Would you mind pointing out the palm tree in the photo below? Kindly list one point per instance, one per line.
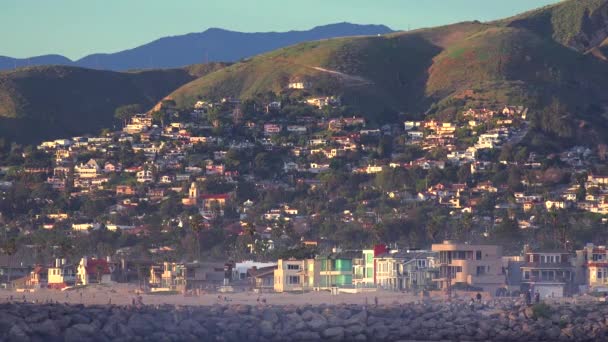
(9, 247)
(196, 225)
(99, 271)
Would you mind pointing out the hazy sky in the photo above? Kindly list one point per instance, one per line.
(75, 28)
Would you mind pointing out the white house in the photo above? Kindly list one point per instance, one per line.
(93, 271)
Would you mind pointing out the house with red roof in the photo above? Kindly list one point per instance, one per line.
(93, 271)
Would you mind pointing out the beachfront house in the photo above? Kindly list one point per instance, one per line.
(464, 266)
(550, 273)
(294, 275)
(93, 271)
(61, 275)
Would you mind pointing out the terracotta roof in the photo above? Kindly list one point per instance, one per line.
(93, 264)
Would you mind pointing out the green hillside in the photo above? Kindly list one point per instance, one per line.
(557, 52)
(438, 70)
(580, 24)
(52, 101)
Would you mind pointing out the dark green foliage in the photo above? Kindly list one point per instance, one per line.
(45, 102)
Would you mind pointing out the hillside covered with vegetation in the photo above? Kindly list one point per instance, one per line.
(57, 101)
(579, 24)
(445, 69)
(552, 60)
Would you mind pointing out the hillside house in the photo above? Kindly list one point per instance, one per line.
(299, 83)
(145, 176)
(125, 190)
(270, 129)
(89, 170)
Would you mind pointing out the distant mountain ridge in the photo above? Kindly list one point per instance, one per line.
(211, 45)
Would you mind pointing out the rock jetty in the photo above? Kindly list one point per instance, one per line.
(419, 322)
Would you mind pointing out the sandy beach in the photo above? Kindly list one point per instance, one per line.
(123, 294)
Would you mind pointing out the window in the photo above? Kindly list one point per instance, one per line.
(481, 270)
(293, 280)
(293, 267)
(478, 255)
(527, 275)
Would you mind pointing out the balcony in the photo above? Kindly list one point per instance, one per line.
(546, 265)
(548, 280)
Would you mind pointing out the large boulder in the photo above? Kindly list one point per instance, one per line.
(82, 332)
(47, 328)
(334, 333)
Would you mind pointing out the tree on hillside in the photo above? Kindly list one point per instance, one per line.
(160, 116)
(9, 247)
(126, 112)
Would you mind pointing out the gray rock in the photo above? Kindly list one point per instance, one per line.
(354, 330)
(271, 316)
(267, 329)
(335, 333)
(318, 323)
(360, 337)
(192, 327)
(37, 317)
(47, 328)
(79, 319)
(141, 324)
(16, 333)
(430, 324)
(81, 332)
(306, 336)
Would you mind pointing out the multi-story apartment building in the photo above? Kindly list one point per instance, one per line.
(401, 270)
(335, 270)
(478, 266)
(550, 273)
(364, 269)
(593, 263)
(294, 275)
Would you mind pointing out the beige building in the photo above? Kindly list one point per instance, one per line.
(294, 275)
(89, 170)
(61, 275)
(474, 265)
(592, 267)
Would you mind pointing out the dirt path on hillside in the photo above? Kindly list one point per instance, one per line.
(354, 80)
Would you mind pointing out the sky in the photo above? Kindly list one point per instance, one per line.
(76, 28)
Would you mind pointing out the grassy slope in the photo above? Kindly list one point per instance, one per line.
(45, 102)
(396, 66)
(574, 23)
(411, 70)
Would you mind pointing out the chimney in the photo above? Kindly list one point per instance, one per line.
(63, 262)
(84, 261)
(57, 263)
